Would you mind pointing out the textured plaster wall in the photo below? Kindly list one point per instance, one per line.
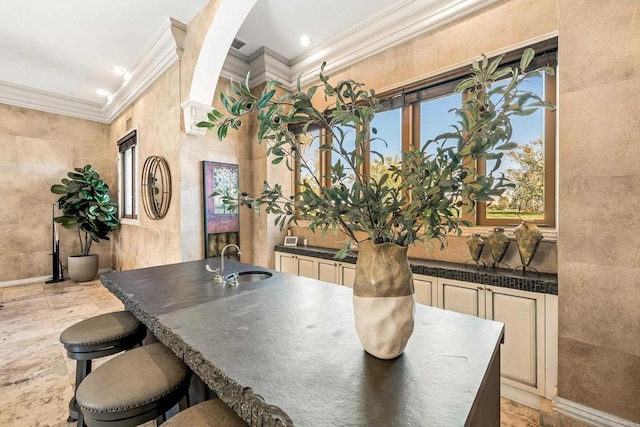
(37, 150)
(599, 244)
(510, 23)
(156, 115)
(266, 234)
(195, 149)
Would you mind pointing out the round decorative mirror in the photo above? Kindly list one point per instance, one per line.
(156, 187)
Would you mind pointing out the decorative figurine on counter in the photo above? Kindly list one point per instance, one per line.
(476, 244)
(498, 244)
(528, 237)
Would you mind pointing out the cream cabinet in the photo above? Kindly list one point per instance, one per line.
(461, 297)
(426, 289)
(330, 271)
(287, 263)
(296, 264)
(524, 355)
(523, 352)
(327, 270)
(346, 274)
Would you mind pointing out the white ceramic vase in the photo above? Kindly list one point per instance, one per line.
(383, 299)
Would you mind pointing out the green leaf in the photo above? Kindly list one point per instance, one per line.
(264, 100)
(205, 125)
(527, 56)
(58, 189)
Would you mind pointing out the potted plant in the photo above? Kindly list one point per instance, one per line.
(418, 199)
(87, 207)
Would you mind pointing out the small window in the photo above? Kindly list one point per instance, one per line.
(128, 172)
(310, 164)
(348, 135)
(386, 142)
(530, 166)
(436, 118)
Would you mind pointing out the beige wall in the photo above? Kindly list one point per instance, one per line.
(599, 244)
(195, 149)
(156, 115)
(37, 150)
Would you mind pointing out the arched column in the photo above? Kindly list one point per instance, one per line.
(224, 26)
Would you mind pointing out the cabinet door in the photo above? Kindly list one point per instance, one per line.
(286, 263)
(347, 273)
(425, 290)
(307, 267)
(327, 271)
(461, 297)
(523, 315)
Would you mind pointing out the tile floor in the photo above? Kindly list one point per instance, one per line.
(36, 377)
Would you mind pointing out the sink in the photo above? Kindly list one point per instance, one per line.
(250, 276)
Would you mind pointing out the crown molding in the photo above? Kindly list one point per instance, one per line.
(164, 51)
(386, 30)
(35, 99)
(382, 32)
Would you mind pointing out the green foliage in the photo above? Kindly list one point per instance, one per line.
(528, 194)
(86, 206)
(417, 199)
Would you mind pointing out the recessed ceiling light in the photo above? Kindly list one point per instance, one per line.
(102, 92)
(119, 70)
(305, 40)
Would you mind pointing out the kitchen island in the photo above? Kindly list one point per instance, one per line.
(284, 351)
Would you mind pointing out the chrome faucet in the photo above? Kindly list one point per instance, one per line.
(222, 258)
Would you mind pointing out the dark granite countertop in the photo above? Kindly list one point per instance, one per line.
(544, 283)
(284, 351)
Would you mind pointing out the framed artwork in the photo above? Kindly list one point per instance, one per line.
(291, 241)
(221, 225)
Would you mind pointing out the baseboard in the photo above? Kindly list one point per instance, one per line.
(41, 279)
(590, 415)
(520, 396)
(27, 281)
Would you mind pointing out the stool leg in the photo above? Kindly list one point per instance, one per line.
(83, 368)
(81, 419)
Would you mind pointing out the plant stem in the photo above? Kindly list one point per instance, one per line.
(80, 239)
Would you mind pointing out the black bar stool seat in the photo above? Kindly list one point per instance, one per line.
(99, 336)
(134, 387)
(210, 413)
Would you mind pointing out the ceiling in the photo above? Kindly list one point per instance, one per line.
(56, 55)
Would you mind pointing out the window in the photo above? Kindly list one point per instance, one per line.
(128, 172)
(417, 113)
(386, 141)
(436, 118)
(310, 163)
(531, 167)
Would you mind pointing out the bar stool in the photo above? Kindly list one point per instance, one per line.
(133, 388)
(210, 413)
(96, 337)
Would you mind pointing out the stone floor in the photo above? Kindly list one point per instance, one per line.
(36, 377)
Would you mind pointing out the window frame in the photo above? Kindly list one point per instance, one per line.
(409, 98)
(129, 141)
(549, 137)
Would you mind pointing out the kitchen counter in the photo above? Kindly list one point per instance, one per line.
(531, 282)
(284, 351)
